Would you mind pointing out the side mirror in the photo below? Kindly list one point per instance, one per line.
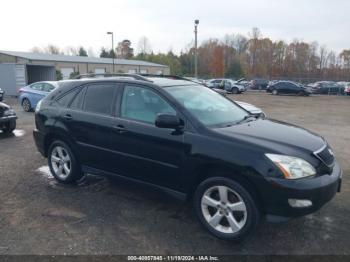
(167, 121)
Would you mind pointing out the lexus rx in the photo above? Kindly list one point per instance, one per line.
(191, 142)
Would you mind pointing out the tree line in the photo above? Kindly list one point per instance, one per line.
(237, 55)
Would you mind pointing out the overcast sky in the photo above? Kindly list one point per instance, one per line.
(168, 24)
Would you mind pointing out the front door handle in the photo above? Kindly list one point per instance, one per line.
(68, 117)
(120, 129)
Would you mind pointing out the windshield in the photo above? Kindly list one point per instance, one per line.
(209, 107)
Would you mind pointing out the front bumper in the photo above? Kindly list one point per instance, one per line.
(7, 118)
(319, 190)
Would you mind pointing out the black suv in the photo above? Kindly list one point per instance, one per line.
(191, 142)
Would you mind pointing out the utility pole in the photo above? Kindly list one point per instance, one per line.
(111, 33)
(196, 22)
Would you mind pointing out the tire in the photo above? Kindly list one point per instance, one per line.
(234, 90)
(66, 170)
(275, 92)
(26, 105)
(244, 217)
(9, 127)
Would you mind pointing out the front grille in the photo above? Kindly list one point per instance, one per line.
(325, 154)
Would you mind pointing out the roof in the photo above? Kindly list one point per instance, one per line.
(78, 59)
(158, 81)
(164, 82)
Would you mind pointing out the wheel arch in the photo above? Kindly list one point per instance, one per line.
(53, 136)
(207, 171)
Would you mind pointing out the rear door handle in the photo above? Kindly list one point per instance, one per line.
(68, 117)
(120, 129)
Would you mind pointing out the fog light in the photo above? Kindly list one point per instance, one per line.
(299, 202)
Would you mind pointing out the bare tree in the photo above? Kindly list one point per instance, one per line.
(144, 46)
(240, 43)
(52, 49)
(37, 50)
(71, 50)
(91, 52)
(323, 58)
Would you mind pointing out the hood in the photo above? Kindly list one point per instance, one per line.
(274, 134)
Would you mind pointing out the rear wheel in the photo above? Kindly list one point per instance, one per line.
(274, 92)
(234, 90)
(226, 208)
(63, 164)
(26, 105)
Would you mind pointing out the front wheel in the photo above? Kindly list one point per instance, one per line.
(226, 208)
(275, 92)
(26, 105)
(63, 164)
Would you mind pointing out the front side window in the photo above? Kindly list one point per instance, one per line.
(142, 104)
(99, 99)
(209, 107)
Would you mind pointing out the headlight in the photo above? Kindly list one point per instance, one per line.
(37, 108)
(292, 167)
(9, 112)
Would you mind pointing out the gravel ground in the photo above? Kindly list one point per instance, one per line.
(104, 216)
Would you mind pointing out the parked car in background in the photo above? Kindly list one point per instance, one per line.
(243, 82)
(7, 118)
(258, 84)
(288, 87)
(326, 87)
(1, 94)
(272, 82)
(347, 89)
(232, 86)
(214, 83)
(187, 140)
(30, 95)
(346, 86)
(226, 84)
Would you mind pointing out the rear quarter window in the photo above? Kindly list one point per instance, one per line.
(67, 97)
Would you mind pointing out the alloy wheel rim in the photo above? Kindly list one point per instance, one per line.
(26, 105)
(224, 209)
(61, 162)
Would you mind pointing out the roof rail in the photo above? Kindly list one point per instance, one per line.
(176, 77)
(164, 76)
(92, 75)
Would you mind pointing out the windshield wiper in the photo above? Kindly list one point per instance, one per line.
(247, 118)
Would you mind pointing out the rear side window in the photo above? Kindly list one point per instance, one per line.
(99, 98)
(37, 87)
(47, 87)
(66, 98)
